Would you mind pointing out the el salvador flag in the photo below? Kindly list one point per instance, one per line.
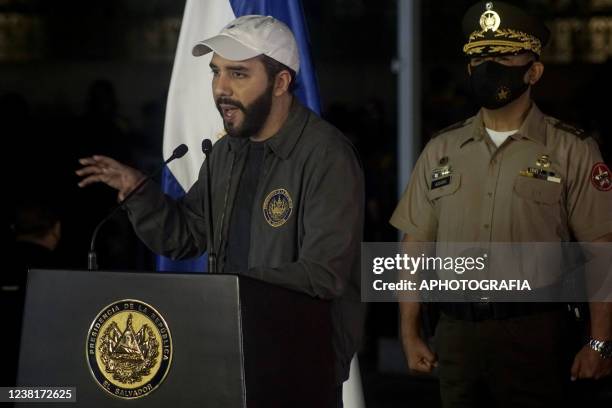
(191, 114)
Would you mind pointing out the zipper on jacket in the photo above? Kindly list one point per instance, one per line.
(225, 200)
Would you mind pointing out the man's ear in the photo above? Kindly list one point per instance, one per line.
(282, 83)
(469, 69)
(535, 72)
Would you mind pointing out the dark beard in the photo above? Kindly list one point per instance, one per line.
(255, 114)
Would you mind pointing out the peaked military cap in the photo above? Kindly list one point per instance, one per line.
(497, 28)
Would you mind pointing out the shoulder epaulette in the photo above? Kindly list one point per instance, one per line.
(566, 127)
(451, 127)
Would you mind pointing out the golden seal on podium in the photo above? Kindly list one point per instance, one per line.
(129, 349)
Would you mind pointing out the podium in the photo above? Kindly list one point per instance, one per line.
(126, 339)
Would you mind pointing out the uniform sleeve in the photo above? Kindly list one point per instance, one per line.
(333, 227)
(589, 193)
(173, 228)
(415, 214)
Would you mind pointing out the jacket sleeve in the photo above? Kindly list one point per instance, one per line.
(333, 226)
(173, 228)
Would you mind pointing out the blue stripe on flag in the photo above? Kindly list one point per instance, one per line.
(291, 13)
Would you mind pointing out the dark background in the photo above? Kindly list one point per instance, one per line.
(78, 78)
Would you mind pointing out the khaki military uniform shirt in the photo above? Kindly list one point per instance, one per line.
(546, 183)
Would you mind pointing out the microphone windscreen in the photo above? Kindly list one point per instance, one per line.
(180, 151)
(206, 146)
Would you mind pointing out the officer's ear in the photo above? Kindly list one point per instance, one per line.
(535, 72)
(469, 69)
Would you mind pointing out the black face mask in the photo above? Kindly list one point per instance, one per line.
(495, 85)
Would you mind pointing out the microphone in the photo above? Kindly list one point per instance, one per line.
(206, 146)
(212, 257)
(92, 257)
(179, 152)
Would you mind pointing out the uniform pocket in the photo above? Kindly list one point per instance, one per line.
(540, 191)
(450, 188)
(537, 211)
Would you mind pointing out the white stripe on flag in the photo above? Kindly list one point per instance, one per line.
(191, 115)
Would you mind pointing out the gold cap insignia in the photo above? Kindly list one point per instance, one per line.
(277, 207)
(129, 349)
(489, 20)
(487, 36)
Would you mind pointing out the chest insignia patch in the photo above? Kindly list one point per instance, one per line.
(441, 172)
(277, 207)
(441, 176)
(601, 177)
(539, 173)
(543, 161)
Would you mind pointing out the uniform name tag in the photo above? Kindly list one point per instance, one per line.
(440, 182)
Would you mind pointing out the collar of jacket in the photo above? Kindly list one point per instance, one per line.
(283, 142)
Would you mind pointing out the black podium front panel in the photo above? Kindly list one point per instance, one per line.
(202, 316)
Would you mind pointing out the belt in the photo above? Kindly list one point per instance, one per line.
(479, 311)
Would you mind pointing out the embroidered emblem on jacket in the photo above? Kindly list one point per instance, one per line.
(277, 207)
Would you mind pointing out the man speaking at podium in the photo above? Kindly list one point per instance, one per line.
(287, 187)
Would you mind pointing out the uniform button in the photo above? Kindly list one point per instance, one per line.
(490, 194)
(486, 225)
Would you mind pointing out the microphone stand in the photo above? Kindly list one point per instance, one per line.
(92, 257)
(212, 256)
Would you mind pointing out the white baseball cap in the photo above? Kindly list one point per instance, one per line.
(249, 36)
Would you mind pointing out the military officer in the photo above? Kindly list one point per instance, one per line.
(508, 174)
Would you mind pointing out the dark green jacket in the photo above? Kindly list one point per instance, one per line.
(307, 222)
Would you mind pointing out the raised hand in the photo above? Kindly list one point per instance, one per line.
(102, 169)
